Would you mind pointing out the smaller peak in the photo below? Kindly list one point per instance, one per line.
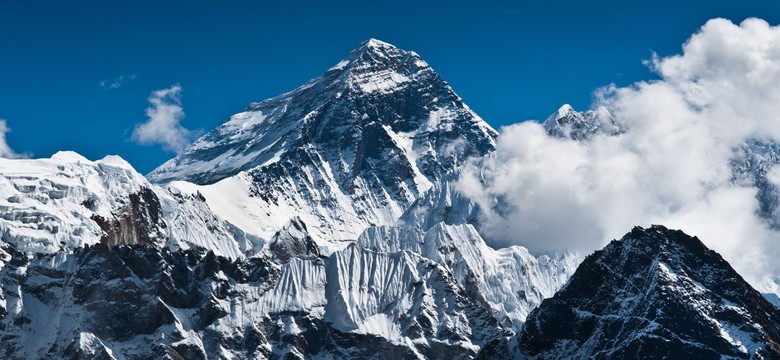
(562, 112)
(564, 109)
(293, 241)
(115, 160)
(68, 156)
(661, 238)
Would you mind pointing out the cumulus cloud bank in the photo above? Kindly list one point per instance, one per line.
(670, 167)
(5, 149)
(163, 125)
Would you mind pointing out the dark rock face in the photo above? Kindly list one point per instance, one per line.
(127, 294)
(293, 241)
(118, 295)
(656, 293)
(140, 302)
(138, 222)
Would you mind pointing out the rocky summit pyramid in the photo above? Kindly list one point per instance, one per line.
(355, 147)
(378, 101)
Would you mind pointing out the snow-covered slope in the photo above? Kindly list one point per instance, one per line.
(656, 293)
(352, 148)
(511, 281)
(67, 202)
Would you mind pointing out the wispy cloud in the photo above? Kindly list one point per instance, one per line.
(163, 125)
(117, 82)
(5, 149)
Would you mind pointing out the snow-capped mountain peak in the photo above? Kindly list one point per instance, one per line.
(374, 51)
(376, 66)
(562, 112)
(352, 148)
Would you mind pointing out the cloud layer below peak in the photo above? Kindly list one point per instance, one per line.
(671, 166)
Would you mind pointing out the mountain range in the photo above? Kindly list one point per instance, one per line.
(326, 223)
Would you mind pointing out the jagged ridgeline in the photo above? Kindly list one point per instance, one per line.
(319, 223)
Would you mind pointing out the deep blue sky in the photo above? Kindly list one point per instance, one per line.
(510, 61)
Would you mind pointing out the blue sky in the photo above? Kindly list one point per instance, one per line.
(510, 61)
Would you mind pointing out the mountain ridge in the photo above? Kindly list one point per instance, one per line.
(654, 293)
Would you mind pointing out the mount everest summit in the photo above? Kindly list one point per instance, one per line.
(353, 148)
(325, 222)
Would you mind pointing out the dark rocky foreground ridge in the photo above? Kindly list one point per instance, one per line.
(139, 302)
(654, 294)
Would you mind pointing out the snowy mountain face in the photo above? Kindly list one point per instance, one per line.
(67, 202)
(320, 223)
(510, 281)
(352, 148)
(656, 293)
(568, 123)
(375, 298)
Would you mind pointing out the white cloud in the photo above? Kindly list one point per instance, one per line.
(5, 149)
(116, 83)
(670, 167)
(163, 125)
